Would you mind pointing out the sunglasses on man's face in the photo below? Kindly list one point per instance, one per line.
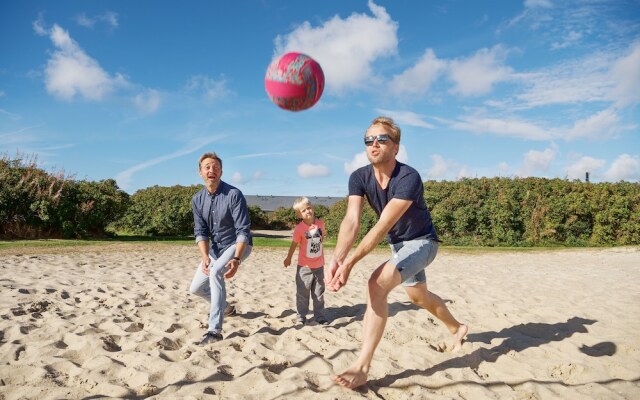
(382, 139)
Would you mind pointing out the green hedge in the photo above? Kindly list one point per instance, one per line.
(480, 212)
(37, 204)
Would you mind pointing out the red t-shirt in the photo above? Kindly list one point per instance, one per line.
(310, 238)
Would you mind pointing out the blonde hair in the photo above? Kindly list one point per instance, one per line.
(300, 203)
(390, 125)
(213, 156)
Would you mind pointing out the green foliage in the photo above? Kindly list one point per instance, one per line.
(160, 211)
(524, 212)
(283, 218)
(473, 212)
(259, 219)
(37, 204)
(337, 212)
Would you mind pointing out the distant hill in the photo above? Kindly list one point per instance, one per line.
(272, 203)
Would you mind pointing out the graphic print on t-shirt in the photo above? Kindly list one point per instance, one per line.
(314, 242)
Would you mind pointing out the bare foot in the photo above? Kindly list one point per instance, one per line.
(458, 338)
(351, 378)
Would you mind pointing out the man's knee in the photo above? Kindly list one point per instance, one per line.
(378, 286)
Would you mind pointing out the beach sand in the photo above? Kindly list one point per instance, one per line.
(116, 321)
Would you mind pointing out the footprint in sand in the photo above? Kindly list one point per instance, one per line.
(18, 353)
(168, 344)
(173, 328)
(134, 327)
(110, 343)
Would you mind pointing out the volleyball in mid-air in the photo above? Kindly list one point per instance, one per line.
(294, 81)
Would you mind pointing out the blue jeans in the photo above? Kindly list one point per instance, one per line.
(212, 287)
(412, 257)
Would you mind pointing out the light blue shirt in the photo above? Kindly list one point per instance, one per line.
(221, 217)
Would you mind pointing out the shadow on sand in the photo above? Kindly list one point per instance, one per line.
(517, 338)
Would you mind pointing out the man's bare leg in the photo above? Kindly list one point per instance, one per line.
(421, 296)
(381, 282)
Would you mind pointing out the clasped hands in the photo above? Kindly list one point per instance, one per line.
(337, 275)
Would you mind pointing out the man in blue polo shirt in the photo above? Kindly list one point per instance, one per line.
(396, 193)
(223, 236)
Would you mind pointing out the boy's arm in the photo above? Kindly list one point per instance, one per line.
(292, 249)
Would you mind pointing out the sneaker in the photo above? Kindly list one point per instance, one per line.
(210, 337)
(322, 321)
(230, 310)
(301, 320)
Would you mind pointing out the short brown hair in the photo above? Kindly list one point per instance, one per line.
(209, 155)
(389, 123)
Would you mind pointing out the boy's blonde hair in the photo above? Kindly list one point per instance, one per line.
(300, 203)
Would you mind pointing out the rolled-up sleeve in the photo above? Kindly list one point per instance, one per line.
(241, 218)
(200, 228)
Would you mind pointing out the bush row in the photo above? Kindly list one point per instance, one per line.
(36, 204)
(480, 212)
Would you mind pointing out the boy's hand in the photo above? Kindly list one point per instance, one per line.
(287, 262)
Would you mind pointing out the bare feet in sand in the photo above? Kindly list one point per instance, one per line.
(458, 338)
(352, 378)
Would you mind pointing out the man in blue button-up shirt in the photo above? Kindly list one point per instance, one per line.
(223, 237)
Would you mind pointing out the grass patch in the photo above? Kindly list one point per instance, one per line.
(55, 243)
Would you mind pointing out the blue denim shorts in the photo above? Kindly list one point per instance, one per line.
(412, 257)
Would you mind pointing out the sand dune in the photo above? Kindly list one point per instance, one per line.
(116, 321)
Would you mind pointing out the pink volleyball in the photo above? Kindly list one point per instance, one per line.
(294, 82)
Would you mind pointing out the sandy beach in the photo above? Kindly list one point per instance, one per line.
(116, 321)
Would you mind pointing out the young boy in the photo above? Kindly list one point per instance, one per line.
(309, 233)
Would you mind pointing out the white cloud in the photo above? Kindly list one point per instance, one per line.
(83, 20)
(440, 168)
(503, 168)
(124, 178)
(569, 39)
(536, 162)
(360, 160)
(538, 3)
(256, 155)
(238, 179)
(148, 102)
(571, 82)
(38, 26)
(210, 89)
(625, 168)
(70, 71)
(406, 118)
(345, 48)
(585, 164)
(109, 17)
(502, 127)
(626, 75)
(308, 170)
(443, 169)
(600, 126)
(477, 74)
(418, 79)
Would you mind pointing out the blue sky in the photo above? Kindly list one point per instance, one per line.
(137, 90)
